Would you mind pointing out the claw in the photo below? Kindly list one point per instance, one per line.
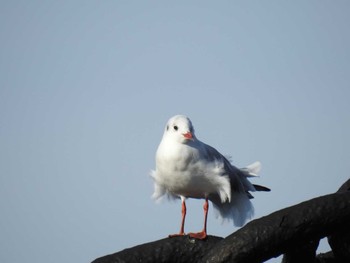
(200, 235)
(177, 235)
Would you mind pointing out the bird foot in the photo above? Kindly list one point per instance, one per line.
(177, 235)
(200, 235)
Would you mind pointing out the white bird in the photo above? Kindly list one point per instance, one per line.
(189, 168)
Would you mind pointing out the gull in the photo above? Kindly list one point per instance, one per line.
(189, 168)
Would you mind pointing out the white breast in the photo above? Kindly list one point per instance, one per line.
(183, 172)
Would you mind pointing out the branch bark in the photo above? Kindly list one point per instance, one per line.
(273, 235)
(172, 250)
(285, 231)
(340, 240)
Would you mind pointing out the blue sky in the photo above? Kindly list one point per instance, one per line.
(86, 88)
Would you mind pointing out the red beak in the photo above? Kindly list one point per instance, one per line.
(188, 135)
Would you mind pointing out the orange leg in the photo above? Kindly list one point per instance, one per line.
(203, 233)
(182, 228)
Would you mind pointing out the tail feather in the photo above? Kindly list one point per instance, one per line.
(239, 209)
(253, 169)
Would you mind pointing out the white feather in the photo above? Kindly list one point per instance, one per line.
(240, 209)
(253, 169)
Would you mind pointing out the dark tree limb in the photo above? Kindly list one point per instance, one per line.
(303, 252)
(273, 235)
(340, 240)
(306, 251)
(261, 239)
(326, 258)
(345, 187)
(175, 249)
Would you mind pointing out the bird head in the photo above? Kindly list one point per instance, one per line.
(179, 128)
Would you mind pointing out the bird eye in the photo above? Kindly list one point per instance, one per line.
(176, 128)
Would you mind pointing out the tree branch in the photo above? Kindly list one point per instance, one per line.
(340, 240)
(175, 249)
(284, 231)
(271, 236)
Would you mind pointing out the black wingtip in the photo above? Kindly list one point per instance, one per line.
(261, 188)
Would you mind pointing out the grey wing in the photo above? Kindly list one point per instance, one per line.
(238, 177)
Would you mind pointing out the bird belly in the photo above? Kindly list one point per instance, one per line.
(195, 181)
